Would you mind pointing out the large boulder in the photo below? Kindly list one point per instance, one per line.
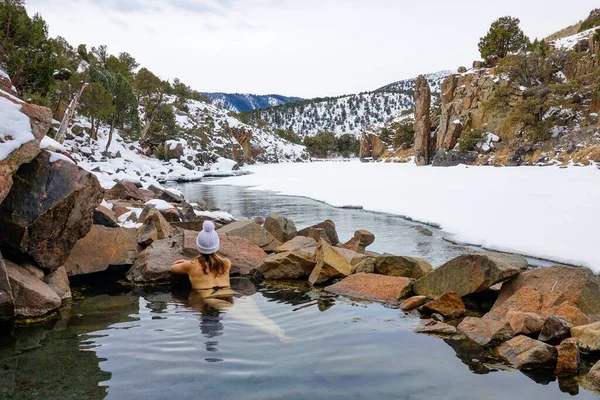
(282, 228)
(408, 267)
(449, 305)
(422, 124)
(49, 208)
(32, 297)
(253, 232)
(101, 248)
(154, 228)
(470, 273)
(372, 287)
(559, 286)
(153, 264)
(30, 125)
(588, 336)
(330, 230)
(330, 265)
(360, 241)
(486, 331)
(244, 255)
(526, 353)
(289, 265)
(7, 304)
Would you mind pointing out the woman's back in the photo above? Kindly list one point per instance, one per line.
(201, 277)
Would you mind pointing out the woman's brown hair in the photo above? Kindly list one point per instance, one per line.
(212, 263)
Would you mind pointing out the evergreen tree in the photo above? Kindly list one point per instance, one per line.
(505, 36)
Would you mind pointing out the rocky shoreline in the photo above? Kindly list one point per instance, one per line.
(529, 318)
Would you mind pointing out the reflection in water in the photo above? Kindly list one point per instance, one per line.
(161, 343)
(55, 359)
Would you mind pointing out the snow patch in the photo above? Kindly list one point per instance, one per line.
(544, 212)
(15, 128)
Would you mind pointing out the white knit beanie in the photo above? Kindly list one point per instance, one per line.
(208, 240)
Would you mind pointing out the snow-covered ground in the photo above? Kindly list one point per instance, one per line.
(544, 212)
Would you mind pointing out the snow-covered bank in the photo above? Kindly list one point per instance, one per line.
(547, 212)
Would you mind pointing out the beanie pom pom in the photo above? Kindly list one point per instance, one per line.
(208, 226)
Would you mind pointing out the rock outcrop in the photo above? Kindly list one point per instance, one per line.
(470, 273)
(59, 282)
(48, 209)
(102, 248)
(463, 98)
(422, 125)
(282, 228)
(371, 146)
(372, 287)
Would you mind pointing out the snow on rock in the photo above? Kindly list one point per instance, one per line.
(51, 144)
(15, 128)
(159, 204)
(569, 42)
(217, 215)
(548, 212)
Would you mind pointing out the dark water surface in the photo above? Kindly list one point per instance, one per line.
(154, 344)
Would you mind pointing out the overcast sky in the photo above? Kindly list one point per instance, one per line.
(303, 48)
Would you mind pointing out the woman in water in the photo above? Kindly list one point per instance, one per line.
(208, 273)
(209, 276)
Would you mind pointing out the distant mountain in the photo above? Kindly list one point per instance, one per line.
(353, 113)
(238, 102)
(435, 81)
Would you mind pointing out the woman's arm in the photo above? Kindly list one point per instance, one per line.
(181, 267)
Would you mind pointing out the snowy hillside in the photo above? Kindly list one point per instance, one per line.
(346, 114)
(435, 80)
(211, 132)
(237, 102)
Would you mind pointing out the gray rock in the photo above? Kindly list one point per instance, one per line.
(470, 273)
(453, 158)
(282, 228)
(32, 297)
